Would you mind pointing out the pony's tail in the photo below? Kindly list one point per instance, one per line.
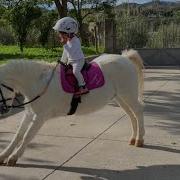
(137, 60)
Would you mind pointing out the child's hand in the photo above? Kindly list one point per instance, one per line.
(63, 38)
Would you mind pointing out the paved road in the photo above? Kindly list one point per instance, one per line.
(95, 147)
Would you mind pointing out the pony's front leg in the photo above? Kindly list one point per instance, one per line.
(33, 128)
(28, 116)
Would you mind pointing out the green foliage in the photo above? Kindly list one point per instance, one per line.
(165, 36)
(2, 11)
(13, 52)
(45, 24)
(148, 26)
(108, 9)
(132, 32)
(6, 36)
(137, 25)
(21, 17)
(177, 15)
(84, 8)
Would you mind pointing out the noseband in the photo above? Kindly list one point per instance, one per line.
(4, 106)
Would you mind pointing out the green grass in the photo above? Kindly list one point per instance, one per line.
(13, 52)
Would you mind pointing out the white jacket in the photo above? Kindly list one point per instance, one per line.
(72, 51)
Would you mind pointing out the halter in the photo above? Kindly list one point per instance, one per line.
(5, 108)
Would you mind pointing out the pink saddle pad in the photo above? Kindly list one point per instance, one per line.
(93, 77)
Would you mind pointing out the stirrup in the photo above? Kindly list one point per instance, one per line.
(82, 90)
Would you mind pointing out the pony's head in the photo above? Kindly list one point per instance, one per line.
(7, 95)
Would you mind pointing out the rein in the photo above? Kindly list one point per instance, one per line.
(32, 100)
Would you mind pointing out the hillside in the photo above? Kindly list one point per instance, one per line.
(161, 8)
(161, 4)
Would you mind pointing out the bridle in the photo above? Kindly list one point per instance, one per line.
(4, 107)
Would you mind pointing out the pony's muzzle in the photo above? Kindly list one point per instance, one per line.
(4, 109)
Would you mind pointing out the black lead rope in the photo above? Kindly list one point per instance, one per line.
(8, 99)
(21, 105)
(7, 87)
(3, 99)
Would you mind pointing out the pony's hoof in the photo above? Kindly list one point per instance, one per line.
(11, 162)
(139, 143)
(132, 141)
(2, 163)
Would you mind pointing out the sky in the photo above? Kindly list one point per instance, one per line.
(144, 1)
(130, 1)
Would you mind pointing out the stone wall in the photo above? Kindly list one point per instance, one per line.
(159, 57)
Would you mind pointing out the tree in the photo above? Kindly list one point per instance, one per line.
(177, 15)
(20, 17)
(84, 8)
(165, 36)
(44, 24)
(132, 32)
(61, 6)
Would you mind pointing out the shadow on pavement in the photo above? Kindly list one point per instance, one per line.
(155, 172)
(164, 106)
(163, 76)
(162, 148)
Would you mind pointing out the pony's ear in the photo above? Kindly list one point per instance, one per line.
(124, 52)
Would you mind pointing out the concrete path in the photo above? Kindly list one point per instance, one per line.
(95, 147)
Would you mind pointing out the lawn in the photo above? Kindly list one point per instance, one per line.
(13, 52)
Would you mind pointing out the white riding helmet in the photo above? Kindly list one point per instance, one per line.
(67, 25)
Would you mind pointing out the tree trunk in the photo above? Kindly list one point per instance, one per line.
(21, 44)
(82, 33)
(96, 39)
(22, 40)
(61, 6)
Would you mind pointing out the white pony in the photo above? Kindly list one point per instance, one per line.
(123, 82)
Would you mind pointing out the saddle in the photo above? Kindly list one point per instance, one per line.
(68, 68)
(92, 75)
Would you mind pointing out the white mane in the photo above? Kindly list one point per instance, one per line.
(26, 65)
(17, 71)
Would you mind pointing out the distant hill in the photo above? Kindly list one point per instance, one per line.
(162, 3)
(149, 9)
(151, 4)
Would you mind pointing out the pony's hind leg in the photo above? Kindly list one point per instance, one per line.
(18, 136)
(133, 119)
(137, 109)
